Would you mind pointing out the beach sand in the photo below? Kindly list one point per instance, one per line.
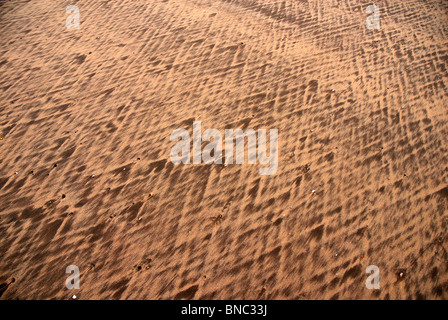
(86, 177)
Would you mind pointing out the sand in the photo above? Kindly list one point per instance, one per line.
(86, 117)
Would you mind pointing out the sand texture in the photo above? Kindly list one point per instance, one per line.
(85, 123)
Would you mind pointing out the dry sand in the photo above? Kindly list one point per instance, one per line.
(103, 101)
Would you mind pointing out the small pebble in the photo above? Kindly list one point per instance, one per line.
(74, 297)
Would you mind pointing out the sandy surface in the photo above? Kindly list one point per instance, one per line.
(103, 101)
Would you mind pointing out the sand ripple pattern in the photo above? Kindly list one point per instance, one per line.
(86, 116)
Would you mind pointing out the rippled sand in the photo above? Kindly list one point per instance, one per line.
(88, 114)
